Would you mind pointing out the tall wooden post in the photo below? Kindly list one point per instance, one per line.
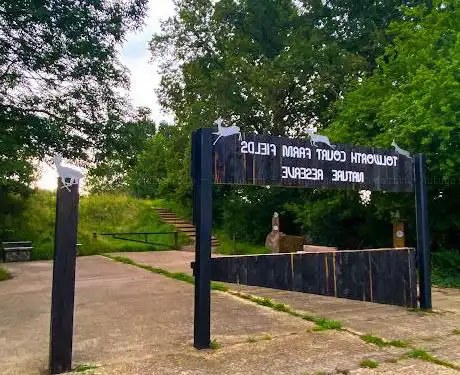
(202, 209)
(423, 232)
(63, 292)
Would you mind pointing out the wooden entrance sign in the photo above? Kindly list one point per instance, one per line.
(227, 156)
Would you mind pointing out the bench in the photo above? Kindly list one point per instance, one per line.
(16, 251)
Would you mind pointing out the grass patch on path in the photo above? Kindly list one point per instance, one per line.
(4, 274)
(370, 339)
(322, 323)
(369, 363)
(424, 356)
(84, 367)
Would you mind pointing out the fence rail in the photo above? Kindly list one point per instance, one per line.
(145, 240)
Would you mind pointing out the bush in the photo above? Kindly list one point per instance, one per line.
(4, 274)
(446, 268)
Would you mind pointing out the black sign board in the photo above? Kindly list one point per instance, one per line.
(280, 161)
(226, 156)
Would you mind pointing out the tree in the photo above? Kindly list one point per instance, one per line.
(414, 98)
(60, 78)
(271, 66)
(113, 165)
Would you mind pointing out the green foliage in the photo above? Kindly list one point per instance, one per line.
(60, 79)
(370, 339)
(339, 218)
(214, 344)
(446, 268)
(323, 323)
(424, 356)
(272, 66)
(368, 363)
(4, 274)
(97, 214)
(110, 173)
(413, 97)
(162, 169)
(84, 367)
(230, 247)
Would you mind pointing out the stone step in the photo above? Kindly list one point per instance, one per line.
(182, 225)
(176, 221)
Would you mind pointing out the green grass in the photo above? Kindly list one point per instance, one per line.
(4, 274)
(97, 214)
(370, 339)
(424, 356)
(83, 368)
(180, 276)
(369, 363)
(456, 331)
(229, 247)
(322, 323)
(214, 345)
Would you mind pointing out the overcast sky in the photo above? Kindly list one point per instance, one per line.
(136, 56)
(143, 72)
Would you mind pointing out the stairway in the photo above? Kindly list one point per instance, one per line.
(182, 225)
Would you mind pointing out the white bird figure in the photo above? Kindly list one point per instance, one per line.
(66, 173)
(225, 131)
(400, 151)
(316, 138)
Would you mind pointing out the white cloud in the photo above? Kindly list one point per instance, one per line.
(135, 55)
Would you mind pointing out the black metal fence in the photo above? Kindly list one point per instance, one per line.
(144, 237)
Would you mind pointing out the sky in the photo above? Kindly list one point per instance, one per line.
(135, 55)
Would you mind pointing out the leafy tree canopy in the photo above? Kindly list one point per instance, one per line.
(273, 66)
(414, 98)
(60, 78)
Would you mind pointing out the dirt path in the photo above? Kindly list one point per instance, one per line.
(131, 321)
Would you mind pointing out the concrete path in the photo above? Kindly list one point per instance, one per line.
(131, 321)
(433, 332)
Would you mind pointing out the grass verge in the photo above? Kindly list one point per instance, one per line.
(4, 274)
(424, 356)
(322, 323)
(370, 339)
(181, 276)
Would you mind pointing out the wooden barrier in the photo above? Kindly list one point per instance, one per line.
(376, 275)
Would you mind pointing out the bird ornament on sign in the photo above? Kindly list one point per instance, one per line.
(69, 175)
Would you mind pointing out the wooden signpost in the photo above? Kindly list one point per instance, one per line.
(229, 157)
(65, 253)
